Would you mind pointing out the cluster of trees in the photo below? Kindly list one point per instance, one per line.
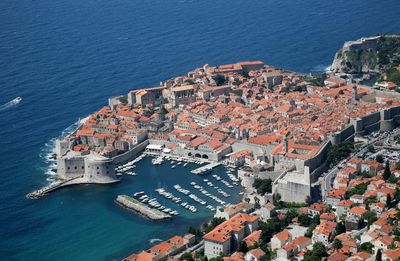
(365, 174)
(393, 76)
(207, 227)
(311, 223)
(318, 253)
(387, 173)
(317, 81)
(371, 148)
(305, 220)
(367, 247)
(379, 158)
(219, 79)
(340, 151)
(357, 190)
(123, 99)
(275, 225)
(263, 186)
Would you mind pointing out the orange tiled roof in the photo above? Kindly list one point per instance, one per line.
(222, 232)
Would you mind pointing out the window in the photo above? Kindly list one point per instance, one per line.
(98, 173)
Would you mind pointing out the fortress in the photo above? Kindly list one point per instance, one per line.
(276, 123)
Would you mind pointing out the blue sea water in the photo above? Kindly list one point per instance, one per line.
(65, 58)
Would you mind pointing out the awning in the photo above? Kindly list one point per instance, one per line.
(154, 147)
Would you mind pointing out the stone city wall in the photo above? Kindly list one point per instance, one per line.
(131, 154)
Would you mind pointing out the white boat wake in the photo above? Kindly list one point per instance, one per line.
(10, 104)
(155, 240)
(321, 69)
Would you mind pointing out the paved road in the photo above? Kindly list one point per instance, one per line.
(198, 246)
(328, 178)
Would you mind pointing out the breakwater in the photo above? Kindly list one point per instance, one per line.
(43, 191)
(133, 204)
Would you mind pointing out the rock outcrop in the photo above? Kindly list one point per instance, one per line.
(367, 55)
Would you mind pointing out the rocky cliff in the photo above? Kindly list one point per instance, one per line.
(367, 55)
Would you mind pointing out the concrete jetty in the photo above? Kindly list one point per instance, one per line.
(66, 182)
(206, 168)
(43, 191)
(137, 206)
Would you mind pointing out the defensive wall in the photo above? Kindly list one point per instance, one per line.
(129, 155)
(295, 186)
(93, 168)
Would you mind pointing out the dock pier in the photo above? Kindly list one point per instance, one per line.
(137, 206)
(206, 168)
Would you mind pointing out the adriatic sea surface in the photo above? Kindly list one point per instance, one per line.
(66, 57)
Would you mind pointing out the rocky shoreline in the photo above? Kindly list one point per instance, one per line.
(367, 55)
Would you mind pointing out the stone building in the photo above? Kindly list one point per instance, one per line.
(226, 237)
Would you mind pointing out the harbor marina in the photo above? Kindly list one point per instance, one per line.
(169, 189)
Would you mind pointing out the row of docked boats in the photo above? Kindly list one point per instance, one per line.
(202, 170)
(205, 192)
(226, 183)
(232, 177)
(121, 169)
(175, 161)
(157, 161)
(153, 203)
(193, 196)
(220, 191)
(176, 200)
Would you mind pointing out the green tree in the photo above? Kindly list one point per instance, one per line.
(337, 244)
(388, 200)
(212, 224)
(276, 198)
(304, 220)
(219, 79)
(317, 253)
(340, 228)
(379, 158)
(367, 246)
(340, 151)
(123, 99)
(357, 190)
(387, 173)
(309, 231)
(396, 198)
(263, 186)
(392, 179)
(308, 200)
(371, 148)
(243, 247)
(257, 203)
(187, 256)
(378, 255)
(370, 217)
